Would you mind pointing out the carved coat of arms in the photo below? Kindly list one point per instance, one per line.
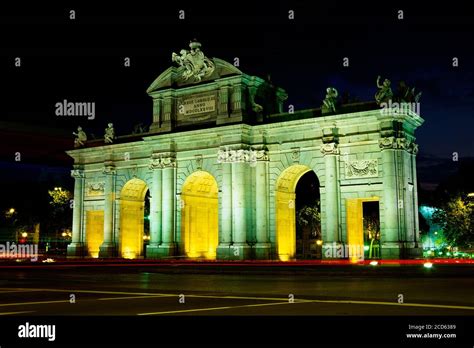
(196, 65)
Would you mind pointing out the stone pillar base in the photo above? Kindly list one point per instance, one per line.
(165, 127)
(223, 251)
(334, 250)
(152, 251)
(413, 253)
(162, 251)
(236, 251)
(240, 251)
(401, 251)
(263, 251)
(107, 250)
(391, 250)
(75, 250)
(411, 250)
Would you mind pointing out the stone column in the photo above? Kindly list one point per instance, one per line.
(390, 230)
(168, 244)
(263, 245)
(152, 250)
(225, 235)
(108, 247)
(240, 183)
(76, 248)
(331, 235)
(417, 250)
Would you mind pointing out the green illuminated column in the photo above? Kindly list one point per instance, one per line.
(76, 248)
(108, 247)
(240, 248)
(261, 216)
(225, 235)
(416, 249)
(390, 229)
(168, 245)
(331, 235)
(152, 250)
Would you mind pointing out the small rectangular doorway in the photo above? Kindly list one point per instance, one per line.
(363, 228)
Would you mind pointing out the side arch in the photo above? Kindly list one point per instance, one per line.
(285, 210)
(199, 215)
(132, 204)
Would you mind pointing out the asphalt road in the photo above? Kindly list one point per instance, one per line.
(222, 291)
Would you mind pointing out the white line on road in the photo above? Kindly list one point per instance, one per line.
(151, 294)
(214, 309)
(31, 303)
(10, 291)
(133, 297)
(428, 305)
(13, 313)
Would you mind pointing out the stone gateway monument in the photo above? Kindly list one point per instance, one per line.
(218, 174)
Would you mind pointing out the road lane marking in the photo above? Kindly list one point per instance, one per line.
(99, 292)
(10, 291)
(132, 297)
(31, 303)
(427, 305)
(146, 294)
(12, 313)
(214, 308)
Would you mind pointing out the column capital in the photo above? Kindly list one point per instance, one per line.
(77, 173)
(261, 155)
(413, 148)
(162, 160)
(330, 149)
(399, 144)
(109, 168)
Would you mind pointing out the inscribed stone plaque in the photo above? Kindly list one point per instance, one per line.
(197, 107)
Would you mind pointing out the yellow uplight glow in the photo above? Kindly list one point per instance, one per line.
(132, 206)
(94, 231)
(285, 210)
(200, 216)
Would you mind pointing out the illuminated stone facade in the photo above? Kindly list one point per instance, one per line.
(221, 162)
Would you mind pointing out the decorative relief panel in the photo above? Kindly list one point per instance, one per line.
(362, 169)
(95, 188)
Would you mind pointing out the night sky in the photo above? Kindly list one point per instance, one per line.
(82, 60)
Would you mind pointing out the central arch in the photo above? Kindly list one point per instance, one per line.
(285, 210)
(132, 207)
(200, 216)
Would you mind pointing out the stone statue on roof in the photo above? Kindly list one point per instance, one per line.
(81, 137)
(384, 94)
(109, 134)
(196, 65)
(407, 94)
(329, 102)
